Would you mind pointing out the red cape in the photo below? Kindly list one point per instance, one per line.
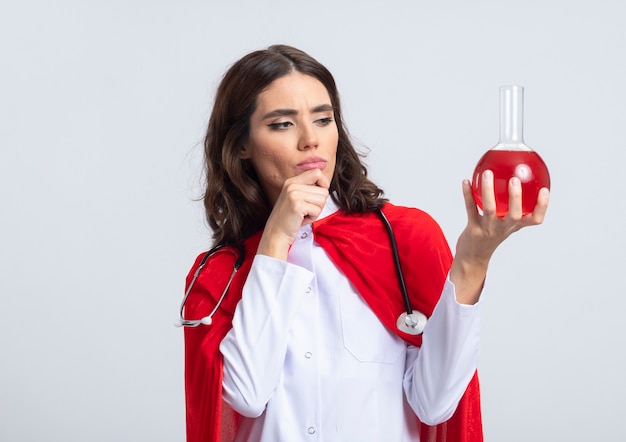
(360, 247)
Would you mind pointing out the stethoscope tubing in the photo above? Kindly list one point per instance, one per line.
(396, 260)
(410, 321)
(207, 320)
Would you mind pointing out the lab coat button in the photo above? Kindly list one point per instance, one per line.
(308, 290)
(308, 355)
(311, 430)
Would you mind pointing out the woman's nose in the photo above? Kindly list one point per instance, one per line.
(308, 138)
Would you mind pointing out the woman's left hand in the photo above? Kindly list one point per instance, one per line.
(485, 232)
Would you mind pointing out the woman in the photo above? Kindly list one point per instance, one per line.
(304, 344)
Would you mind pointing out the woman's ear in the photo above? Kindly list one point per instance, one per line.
(244, 153)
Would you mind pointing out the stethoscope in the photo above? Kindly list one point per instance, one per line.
(208, 320)
(410, 321)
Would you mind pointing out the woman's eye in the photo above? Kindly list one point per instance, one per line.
(280, 125)
(325, 121)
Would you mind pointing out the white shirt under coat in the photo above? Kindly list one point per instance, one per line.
(307, 360)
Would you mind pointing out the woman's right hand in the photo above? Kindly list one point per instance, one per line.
(485, 232)
(300, 202)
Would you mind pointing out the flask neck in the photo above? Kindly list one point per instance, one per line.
(511, 115)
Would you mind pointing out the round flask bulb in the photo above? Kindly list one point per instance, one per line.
(526, 165)
(511, 158)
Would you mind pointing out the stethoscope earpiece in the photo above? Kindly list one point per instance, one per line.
(207, 320)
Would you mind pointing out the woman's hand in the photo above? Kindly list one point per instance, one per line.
(484, 233)
(300, 202)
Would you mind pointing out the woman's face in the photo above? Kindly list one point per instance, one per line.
(292, 130)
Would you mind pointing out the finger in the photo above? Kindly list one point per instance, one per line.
(515, 199)
(313, 177)
(298, 196)
(313, 211)
(488, 194)
(539, 213)
(323, 181)
(308, 192)
(315, 195)
(470, 203)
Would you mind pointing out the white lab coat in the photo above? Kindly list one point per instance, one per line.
(307, 360)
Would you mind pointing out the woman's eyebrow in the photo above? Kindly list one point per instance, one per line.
(289, 112)
(280, 113)
(322, 108)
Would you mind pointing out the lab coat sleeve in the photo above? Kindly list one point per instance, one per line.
(254, 349)
(437, 374)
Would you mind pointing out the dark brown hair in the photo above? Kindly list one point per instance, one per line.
(235, 204)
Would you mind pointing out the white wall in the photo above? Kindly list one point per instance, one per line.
(102, 111)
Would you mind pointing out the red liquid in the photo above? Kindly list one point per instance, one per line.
(505, 164)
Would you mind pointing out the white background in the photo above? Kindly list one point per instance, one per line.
(102, 112)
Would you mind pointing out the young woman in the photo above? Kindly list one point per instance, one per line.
(303, 342)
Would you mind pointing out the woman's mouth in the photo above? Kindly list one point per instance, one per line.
(312, 163)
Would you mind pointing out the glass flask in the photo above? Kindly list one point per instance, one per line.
(511, 157)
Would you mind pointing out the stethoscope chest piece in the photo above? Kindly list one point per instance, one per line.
(412, 324)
